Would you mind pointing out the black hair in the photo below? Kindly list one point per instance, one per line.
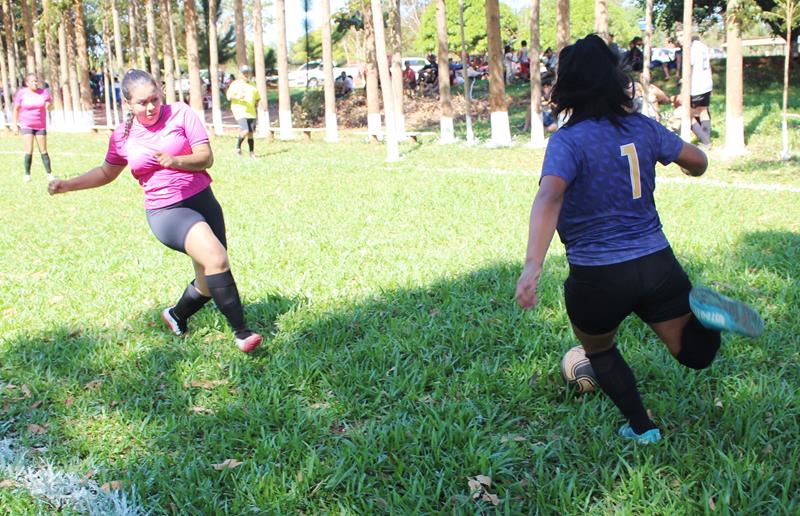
(589, 83)
(133, 77)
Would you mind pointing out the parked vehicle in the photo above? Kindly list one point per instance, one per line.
(311, 74)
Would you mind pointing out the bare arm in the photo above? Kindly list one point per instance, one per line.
(544, 217)
(16, 118)
(693, 161)
(96, 177)
(200, 159)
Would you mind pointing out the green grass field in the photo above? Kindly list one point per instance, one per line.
(396, 363)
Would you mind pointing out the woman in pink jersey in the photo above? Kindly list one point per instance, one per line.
(30, 118)
(168, 151)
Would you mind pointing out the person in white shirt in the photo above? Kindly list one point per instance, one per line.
(700, 91)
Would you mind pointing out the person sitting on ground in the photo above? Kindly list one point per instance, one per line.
(409, 77)
(343, 85)
(634, 58)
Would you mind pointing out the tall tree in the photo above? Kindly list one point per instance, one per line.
(241, 42)
(174, 45)
(686, 72)
(467, 79)
(152, 38)
(27, 26)
(120, 62)
(72, 70)
(11, 36)
(264, 129)
(373, 90)
(37, 41)
(396, 44)
(734, 83)
(133, 35)
(392, 149)
(49, 23)
(562, 24)
(648, 48)
(64, 75)
(537, 124)
(136, 26)
(5, 115)
(331, 129)
(166, 51)
(284, 101)
(213, 68)
(193, 59)
(83, 64)
(446, 132)
(787, 14)
(111, 100)
(601, 19)
(501, 132)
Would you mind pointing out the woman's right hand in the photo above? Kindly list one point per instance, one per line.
(526, 286)
(57, 186)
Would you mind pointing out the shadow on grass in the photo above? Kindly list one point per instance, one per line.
(375, 406)
(752, 126)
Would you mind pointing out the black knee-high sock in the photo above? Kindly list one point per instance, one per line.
(226, 296)
(699, 345)
(28, 160)
(190, 302)
(617, 381)
(46, 161)
(239, 143)
(250, 143)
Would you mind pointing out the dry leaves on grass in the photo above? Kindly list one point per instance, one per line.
(479, 489)
(515, 438)
(36, 405)
(204, 384)
(7, 484)
(227, 464)
(201, 410)
(94, 384)
(26, 391)
(69, 401)
(114, 485)
(37, 429)
(711, 504)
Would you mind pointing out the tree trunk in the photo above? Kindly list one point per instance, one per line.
(83, 65)
(331, 129)
(446, 132)
(264, 129)
(11, 35)
(111, 100)
(27, 25)
(137, 28)
(166, 51)
(213, 68)
(132, 35)
(501, 132)
(537, 124)
(601, 19)
(174, 50)
(241, 41)
(396, 44)
(72, 72)
(117, 37)
(562, 24)
(193, 59)
(686, 73)
(392, 149)
(5, 116)
(52, 68)
(790, 14)
(64, 80)
(284, 101)
(373, 90)
(116, 63)
(37, 43)
(17, 58)
(734, 84)
(648, 42)
(152, 38)
(467, 79)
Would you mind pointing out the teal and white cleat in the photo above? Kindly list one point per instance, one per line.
(717, 312)
(649, 437)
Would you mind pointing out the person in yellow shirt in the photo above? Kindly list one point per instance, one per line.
(244, 98)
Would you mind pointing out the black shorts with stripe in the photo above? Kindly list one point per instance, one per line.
(654, 287)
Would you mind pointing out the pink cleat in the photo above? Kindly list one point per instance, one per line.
(250, 343)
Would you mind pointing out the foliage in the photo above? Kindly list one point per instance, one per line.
(669, 13)
(226, 43)
(474, 26)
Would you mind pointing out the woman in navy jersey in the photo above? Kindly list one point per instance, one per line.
(596, 189)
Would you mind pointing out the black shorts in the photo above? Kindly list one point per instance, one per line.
(247, 124)
(28, 130)
(701, 100)
(654, 287)
(172, 223)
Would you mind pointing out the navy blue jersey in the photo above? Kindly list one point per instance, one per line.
(609, 213)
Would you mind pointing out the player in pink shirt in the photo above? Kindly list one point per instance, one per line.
(168, 151)
(30, 118)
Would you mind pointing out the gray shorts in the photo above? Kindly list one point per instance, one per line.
(172, 223)
(247, 124)
(35, 132)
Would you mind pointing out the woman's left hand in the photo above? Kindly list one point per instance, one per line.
(165, 160)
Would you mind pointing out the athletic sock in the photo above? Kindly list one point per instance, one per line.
(46, 161)
(239, 143)
(617, 381)
(28, 160)
(250, 143)
(706, 125)
(699, 345)
(190, 303)
(226, 296)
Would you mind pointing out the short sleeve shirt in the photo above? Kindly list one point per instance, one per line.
(702, 81)
(178, 130)
(32, 104)
(243, 97)
(609, 213)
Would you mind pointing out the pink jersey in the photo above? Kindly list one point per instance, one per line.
(178, 129)
(32, 107)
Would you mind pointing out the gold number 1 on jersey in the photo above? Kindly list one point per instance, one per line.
(629, 150)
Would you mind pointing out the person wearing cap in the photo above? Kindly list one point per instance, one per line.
(244, 97)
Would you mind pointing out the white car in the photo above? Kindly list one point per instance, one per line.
(312, 74)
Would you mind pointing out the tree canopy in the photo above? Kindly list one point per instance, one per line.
(474, 26)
